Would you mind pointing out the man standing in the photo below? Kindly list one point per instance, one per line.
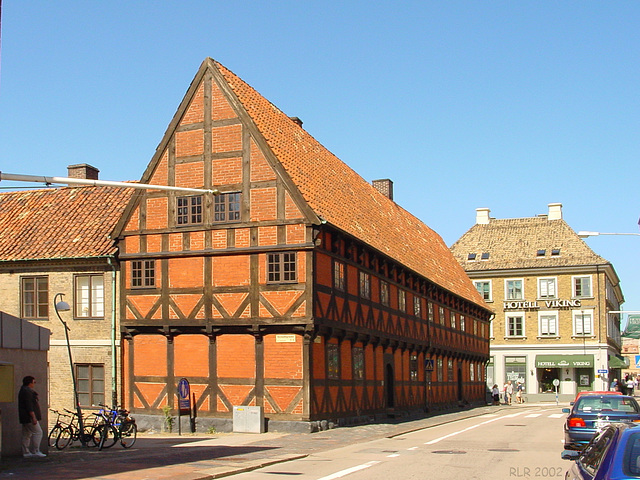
(30, 415)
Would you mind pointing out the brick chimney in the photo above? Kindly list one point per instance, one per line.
(555, 211)
(384, 186)
(482, 216)
(83, 170)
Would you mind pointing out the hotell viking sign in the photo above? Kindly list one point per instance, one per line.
(525, 305)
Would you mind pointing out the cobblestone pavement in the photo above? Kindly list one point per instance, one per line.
(201, 456)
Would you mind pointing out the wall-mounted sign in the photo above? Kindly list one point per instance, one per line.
(526, 305)
(285, 339)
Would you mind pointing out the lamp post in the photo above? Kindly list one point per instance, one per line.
(585, 234)
(62, 306)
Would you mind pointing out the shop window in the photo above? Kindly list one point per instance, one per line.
(515, 370)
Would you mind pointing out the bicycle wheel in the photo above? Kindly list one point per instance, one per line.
(64, 438)
(108, 436)
(128, 434)
(53, 435)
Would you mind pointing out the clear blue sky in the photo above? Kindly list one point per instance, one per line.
(506, 105)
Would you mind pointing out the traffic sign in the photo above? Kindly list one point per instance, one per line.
(428, 365)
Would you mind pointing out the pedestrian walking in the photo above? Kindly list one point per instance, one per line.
(30, 416)
(509, 392)
(519, 393)
(495, 394)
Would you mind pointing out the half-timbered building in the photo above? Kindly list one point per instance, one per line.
(300, 287)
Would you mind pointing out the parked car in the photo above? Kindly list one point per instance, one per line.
(591, 413)
(593, 392)
(613, 454)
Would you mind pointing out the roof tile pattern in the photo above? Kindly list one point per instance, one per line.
(65, 223)
(344, 199)
(514, 243)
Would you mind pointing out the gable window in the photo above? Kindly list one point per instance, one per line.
(484, 289)
(514, 289)
(384, 293)
(358, 363)
(546, 288)
(402, 300)
(471, 257)
(333, 361)
(143, 274)
(582, 323)
(90, 384)
(484, 256)
(281, 267)
(541, 253)
(189, 210)
(515, 325)
(35, 297)
(226, 208)
(365, 285)
(338, 276)
(548, 324)
(89, 296)
(582, 286)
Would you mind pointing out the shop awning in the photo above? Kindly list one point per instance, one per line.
(617, 362)
(564, 361)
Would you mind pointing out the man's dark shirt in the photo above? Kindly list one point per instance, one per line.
(27, 403)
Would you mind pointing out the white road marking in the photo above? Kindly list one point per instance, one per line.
(556, 415)
(393, 455)
(347, 471)
(533, 415)
(412, 448)
(436, 440)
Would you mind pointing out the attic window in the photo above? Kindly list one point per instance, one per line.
(471, 256)
(555, 252)
(484, 256)
(541, 253)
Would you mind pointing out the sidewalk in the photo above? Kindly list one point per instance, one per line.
(201, 456)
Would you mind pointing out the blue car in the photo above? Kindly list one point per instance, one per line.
(613, 454)
(591, 413)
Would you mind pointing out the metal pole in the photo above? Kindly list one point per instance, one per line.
(73, 373)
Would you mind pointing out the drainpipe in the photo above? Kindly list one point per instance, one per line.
(114, 381)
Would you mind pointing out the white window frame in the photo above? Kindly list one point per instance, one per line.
(577, 324)
(573, 286)
(506, 288)
(548, 313)
(506, 324)
(546, 281)
(475, 284)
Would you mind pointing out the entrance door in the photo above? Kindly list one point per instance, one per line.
(546, 376)
(390, 386)
(584, 378)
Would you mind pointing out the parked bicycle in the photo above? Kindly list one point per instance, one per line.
(57, 428)
(115, 424)
(71, 432)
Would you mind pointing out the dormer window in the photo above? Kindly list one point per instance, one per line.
(484, 256)
(471, 257)
(555, 252)
(541, 253)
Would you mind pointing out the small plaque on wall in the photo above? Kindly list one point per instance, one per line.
(285, 339)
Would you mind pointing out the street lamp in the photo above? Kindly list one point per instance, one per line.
(585, 234)
(62, 306)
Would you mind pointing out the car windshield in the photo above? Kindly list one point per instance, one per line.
(595, 404)
(631, 461)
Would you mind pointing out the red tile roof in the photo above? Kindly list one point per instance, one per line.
(63, 223)
(344, 199)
